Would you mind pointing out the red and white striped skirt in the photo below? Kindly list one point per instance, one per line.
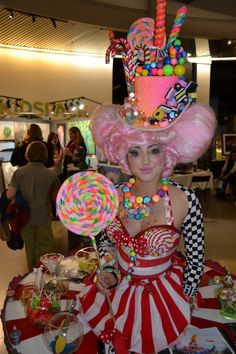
(151, 312)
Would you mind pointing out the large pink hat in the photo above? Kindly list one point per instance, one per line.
(154, 72)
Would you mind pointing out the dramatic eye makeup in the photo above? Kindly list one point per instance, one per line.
(137, 150)
(154, 149)
(134, 151)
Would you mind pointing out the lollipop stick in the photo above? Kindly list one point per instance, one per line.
(100, 266)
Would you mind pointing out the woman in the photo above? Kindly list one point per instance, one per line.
(150, 289)
(75, 152)
(55, 146)
(33, 133)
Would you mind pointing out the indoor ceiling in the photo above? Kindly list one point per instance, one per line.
(81, 26)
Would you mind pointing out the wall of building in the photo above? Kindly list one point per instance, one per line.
(40, 78)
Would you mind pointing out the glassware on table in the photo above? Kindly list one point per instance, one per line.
(87, 260)
(73, 333)
(51, 261)
(53, 285)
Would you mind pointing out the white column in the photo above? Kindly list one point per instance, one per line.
(203, 70)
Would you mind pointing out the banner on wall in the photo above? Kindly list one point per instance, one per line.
(37, 107)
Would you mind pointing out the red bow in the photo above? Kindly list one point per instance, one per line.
(117, 339)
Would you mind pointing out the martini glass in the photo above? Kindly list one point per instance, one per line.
(51, 261)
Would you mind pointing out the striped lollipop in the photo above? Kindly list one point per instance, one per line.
(178, 22)
(87, 203)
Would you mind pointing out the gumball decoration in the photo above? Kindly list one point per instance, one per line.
(145, 72)
(177, 42)
(139, 70)
(182, 61)
(179, 70)
(160, 72)
(168, 70)
(154, 72)
(174, 61)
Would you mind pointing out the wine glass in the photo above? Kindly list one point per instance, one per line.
(51, 261)
(51, 283)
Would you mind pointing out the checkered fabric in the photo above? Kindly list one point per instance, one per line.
(193, 232)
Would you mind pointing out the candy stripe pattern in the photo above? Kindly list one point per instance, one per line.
(151, 310)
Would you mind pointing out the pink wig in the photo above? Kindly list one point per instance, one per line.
(186, 141)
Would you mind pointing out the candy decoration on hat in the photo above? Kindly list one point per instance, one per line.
(179, 20)
(157, 91)
(141, 31)
(160, 35)
(138, 53)
(87, 203)
(122, 47)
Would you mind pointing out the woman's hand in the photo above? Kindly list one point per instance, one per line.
(105, 280)
(67, 152)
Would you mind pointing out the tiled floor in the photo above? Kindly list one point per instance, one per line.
(220, 225)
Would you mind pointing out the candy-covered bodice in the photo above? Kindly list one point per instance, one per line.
(153, 247)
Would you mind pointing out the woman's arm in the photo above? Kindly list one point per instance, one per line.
(108, 275)
(59, 157)
(193, 232)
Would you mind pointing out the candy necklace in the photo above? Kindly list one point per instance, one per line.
(139, 207)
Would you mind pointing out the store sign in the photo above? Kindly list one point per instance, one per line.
(37, 107)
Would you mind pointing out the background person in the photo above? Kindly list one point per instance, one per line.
(33, 133)
(54, 145)
(38, 186)
(75, 152)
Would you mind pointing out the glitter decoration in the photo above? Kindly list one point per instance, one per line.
(87, 203)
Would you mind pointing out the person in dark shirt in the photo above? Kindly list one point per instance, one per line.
(75, 152)
(33, 133)
(38, 185)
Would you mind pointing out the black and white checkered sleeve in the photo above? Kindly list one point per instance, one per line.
(106, 249)
(193, 232)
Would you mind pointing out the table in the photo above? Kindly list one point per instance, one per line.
(186, 179)
(32, 342)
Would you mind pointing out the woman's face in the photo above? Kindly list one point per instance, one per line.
(72, 135)
(54, 139)
(146, 161)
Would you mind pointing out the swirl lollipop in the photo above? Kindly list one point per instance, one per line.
(87, 203)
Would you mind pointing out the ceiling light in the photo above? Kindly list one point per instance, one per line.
(229, 42)
(73, 106)
(81, 105)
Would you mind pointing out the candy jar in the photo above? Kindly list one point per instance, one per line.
(227, 298)
(41, 309)
(63, 336)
